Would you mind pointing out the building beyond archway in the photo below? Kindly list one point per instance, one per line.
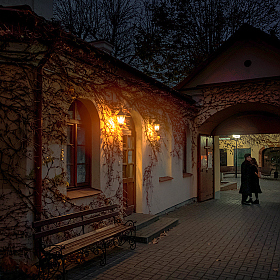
(271, 158)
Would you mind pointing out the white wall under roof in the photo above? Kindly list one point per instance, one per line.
(42, 8)
(229, 65)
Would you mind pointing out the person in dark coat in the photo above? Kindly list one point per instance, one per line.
(245, 188)
(255, 184)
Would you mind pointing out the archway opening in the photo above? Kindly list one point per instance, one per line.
(265, 148)
(258, 129)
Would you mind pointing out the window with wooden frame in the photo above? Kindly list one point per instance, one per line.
(78, 146)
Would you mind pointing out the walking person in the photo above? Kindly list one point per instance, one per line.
(246, 178)
(255, 184)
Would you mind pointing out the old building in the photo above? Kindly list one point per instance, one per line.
(237, 93)
(80, 129)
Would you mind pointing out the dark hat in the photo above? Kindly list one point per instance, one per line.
(247, 155)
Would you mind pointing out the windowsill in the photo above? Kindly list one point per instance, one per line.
(165, 178)
(86, 192)
(185, 175)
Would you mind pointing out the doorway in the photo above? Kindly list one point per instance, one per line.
(205, 168)
(129, 159)
(241, 119)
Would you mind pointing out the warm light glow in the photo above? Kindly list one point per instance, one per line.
(152, 132)
(111, 124)
(111, 129)
(236, 136)
(121, 117)
(156, 126)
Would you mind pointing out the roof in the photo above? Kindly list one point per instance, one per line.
(17, 23)
(244, 33)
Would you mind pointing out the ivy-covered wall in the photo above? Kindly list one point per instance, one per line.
(45, 70)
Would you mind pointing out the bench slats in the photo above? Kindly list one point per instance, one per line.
(41, 234)
(99, 238)
(79, 237)
(85, 240)
(95, 239)
(49, 221)
(83, 236)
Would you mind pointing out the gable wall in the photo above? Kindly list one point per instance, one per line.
(229, 66)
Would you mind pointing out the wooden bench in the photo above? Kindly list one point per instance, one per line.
(52, 256)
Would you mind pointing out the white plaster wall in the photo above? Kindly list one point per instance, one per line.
(109, 191)
(165, 195)
(138, 122)
(229, 66)
(18, 223)
(147, 193)
(164, 165)
(162, 195)
(171, 193)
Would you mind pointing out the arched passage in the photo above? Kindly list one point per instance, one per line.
(244, 119)
(254, 122)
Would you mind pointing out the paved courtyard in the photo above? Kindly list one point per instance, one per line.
(216, 239)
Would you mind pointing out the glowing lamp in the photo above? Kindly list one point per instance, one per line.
(156, 126)
(121, 117)
(236, 136)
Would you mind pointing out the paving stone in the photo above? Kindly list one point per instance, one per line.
(215, 239)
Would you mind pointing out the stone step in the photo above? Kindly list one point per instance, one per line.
(226, 186)
(142, 220)
(148, 233)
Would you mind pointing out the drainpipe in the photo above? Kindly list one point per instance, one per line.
(38, 153)
(38, 142)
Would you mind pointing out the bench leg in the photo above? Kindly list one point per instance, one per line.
(132, 242)
(49, 267)
(63, 269)
(103, 256)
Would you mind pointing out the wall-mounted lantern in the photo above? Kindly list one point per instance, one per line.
(156, 126)
(155, 123)
(121, 117)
